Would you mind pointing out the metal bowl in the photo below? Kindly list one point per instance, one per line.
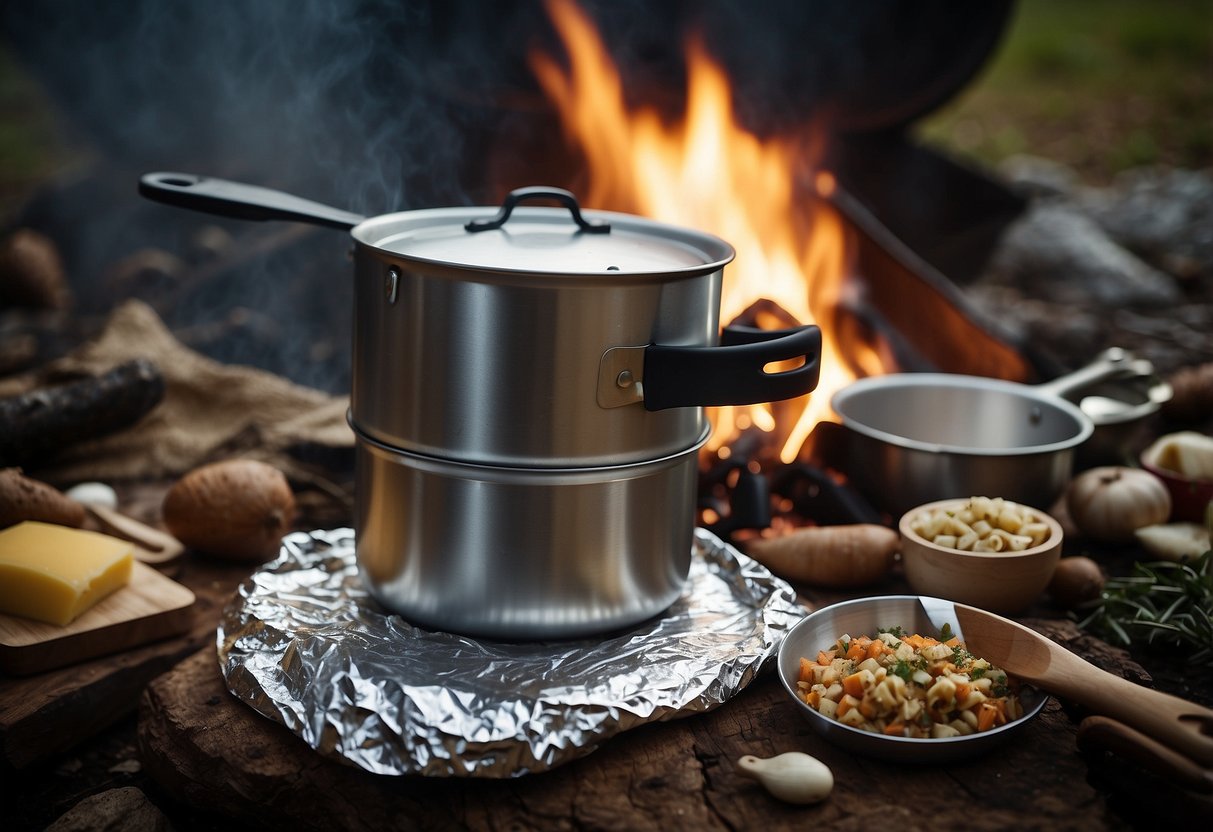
(864, 617)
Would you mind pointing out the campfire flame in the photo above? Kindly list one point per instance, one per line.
(707, 172)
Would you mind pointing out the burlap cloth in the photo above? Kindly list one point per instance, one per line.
(210, 410)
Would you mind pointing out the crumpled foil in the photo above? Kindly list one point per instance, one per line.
(305, 644)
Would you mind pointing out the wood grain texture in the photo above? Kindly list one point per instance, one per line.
(218, 756)
(46, 714)
(150, 607)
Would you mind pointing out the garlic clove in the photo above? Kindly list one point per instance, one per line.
(1187, 453)
(793, 777)
(94, 494)
(1174, 541)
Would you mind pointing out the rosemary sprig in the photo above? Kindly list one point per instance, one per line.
(1159, 604)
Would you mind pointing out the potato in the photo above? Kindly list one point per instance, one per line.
(237, 509)
(1075, 581)
(838, 557)
(22, 498)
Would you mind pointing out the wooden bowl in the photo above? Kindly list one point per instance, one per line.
(1003, 582)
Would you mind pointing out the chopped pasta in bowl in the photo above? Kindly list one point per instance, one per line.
(879, 677)
(984, 551)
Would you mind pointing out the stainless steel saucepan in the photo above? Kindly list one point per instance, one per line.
(914, 438)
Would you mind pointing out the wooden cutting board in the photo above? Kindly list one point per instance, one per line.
(150, 607)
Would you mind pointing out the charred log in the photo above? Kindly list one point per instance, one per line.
(35, 425)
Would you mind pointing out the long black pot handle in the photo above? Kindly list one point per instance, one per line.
(565, 198)
(240, 201)
(733, 372)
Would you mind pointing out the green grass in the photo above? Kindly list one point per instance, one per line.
(1100, 85)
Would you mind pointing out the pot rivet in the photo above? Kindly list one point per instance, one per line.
(391, 284)
(624, 379)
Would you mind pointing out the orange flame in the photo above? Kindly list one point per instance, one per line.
(707, 172)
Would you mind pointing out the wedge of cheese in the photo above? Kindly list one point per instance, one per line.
(53, 573)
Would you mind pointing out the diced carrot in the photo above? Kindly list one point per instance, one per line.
(806, 670)
(853, 685)
(986, 715)
(813, 699)
(875, 649)
(868, 708)
(856, 651)
(914, 641)
(824, 657)
(962, 691)
(954, 641)
(846, 704)
(895, 729)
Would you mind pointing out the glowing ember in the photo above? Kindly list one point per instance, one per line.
(709, 173)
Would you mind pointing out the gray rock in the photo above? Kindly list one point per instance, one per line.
(1163, 214)
(1056, 253)
(1036, 176)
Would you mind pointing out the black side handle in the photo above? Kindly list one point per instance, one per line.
(239, 201)
(516, 196)
(733, 372)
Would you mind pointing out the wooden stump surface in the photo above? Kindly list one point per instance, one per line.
(213, 753)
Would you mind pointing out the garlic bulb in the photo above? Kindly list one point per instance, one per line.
(1112, 502)
(792, 777)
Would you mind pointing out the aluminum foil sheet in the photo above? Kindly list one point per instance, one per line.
(304, 644)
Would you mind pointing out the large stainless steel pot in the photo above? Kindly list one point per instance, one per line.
(532, 337)
(528, 393)
(914, 438)
(524, 552)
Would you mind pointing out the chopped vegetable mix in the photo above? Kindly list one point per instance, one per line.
(908, 686)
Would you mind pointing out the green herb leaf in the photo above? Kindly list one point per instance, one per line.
(1160, 604)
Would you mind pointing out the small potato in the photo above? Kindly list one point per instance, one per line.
(1075, 581)
(238, 509)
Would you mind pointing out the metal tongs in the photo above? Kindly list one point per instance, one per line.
(1156, 730)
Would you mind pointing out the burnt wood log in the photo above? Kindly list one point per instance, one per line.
(215, 755)
(35, 425)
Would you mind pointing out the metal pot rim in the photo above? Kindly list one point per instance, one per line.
(532, 474)
(895, 381)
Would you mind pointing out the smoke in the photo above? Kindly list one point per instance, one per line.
(383, 105)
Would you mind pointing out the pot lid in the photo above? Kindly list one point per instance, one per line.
(540, 240)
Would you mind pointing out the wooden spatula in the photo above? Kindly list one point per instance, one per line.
(151, 544)
(1180, 725)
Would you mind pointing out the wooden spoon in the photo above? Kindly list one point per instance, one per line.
(1180, 725)
(1101, 733)
(151, 545)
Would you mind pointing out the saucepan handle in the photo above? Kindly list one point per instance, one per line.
(1113, 363)
(239, 201)
(734, 372)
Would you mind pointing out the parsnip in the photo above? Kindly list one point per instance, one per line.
(837, 557)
